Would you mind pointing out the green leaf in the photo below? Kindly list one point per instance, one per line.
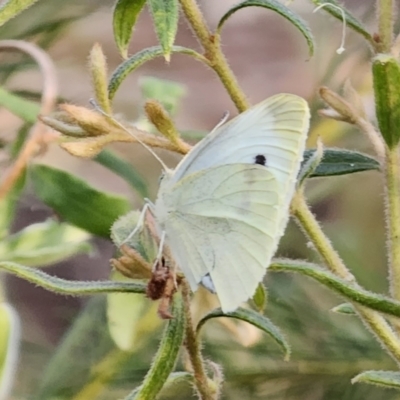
(24, 109)
(345, 308)
(387, 379)
(351, 20)
(254, 318)
(8, 205)
(10, 333)
(279, 8)
(386, 77)
(167, 354)
(73, 288)
(11, 8)
(125, 15)
(340, 162)
(76, 360)
(138, 59)
(76, 201)
(44, 244)
(130, 317)
(357, 294)
(260, 297)
(168, 93)
(165, 15)
(125, 170)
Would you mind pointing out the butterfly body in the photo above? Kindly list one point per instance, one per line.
(225, 206)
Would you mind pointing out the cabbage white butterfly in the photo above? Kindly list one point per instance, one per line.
(224, 208)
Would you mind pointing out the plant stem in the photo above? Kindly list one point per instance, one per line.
(313, 230)
(385, 25)
(373, 320)
(213, 53)
(392, 173)
(193, 348)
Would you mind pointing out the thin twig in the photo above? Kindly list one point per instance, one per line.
(38, 136)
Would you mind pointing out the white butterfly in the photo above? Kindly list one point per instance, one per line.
(224, 208)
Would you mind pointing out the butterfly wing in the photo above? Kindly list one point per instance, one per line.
(223, 221)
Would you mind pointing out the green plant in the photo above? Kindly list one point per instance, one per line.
(86, 132)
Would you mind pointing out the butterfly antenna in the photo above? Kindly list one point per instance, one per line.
(148, 148)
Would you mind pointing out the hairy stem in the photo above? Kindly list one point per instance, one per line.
(372, 320)
(385, 22)
(213, 53)
(309, 224)
(193, 348)
(392, 175)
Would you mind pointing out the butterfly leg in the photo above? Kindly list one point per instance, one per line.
(140, 222)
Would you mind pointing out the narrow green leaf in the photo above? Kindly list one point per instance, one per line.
(386, 77)
(387, 379)
(8, 205)
(75, 361)
(76, 201)
(44, 244)
(125, 170)
(254, 318)
(24, 109)
(11, 8)
(142, 241)
(167, 354)
(341, 162)
(138, 59)
(260, 297)
(165, 15)
(351, 20)
(10, 333)
(73, 288)
(279, 8)
(357, 294)
(125, 15)
(345, 308)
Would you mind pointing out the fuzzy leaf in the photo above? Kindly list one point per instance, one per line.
(44, 243)
(345, 308)
(341, 162)
(351, 20)
(387, 379)
(254, 318)
(386, 76)
(76, 201)
(10, 333)
(358, 294)
(73, 288)
(138, 59)
(125, 16)
(125, 170)
(167, 354)
(168, 93)
(279, 8)
(11, 8)
(165, 18)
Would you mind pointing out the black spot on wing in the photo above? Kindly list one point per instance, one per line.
(260, 159)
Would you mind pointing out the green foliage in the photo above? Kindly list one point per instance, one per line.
(112, 335)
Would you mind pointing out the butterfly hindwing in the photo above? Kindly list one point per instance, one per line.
(221, 221)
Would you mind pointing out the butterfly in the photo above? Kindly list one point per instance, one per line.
(224, 208)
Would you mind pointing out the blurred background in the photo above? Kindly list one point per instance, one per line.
(268, 56)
